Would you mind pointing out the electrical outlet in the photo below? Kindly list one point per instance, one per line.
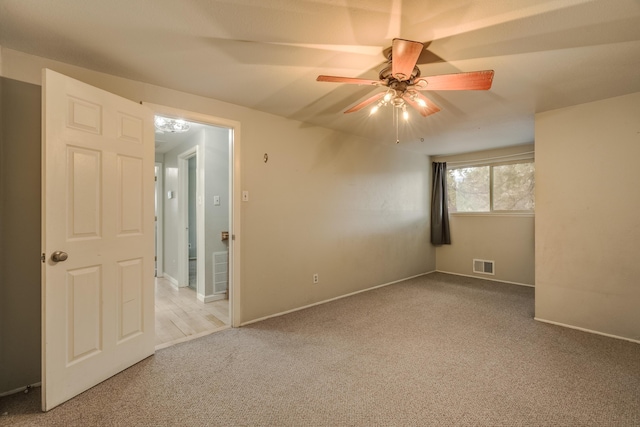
(245, 196)
(315, 278)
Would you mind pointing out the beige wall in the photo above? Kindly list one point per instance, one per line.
(352, 210)
(588, 216)
(506, 239)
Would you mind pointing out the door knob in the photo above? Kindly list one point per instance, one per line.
(59, 256)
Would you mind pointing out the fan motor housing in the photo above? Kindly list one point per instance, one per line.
(398, 86)
(385, 74)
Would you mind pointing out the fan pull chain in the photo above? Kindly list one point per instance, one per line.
(396, 118)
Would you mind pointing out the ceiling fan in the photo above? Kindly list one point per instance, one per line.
(402, 79)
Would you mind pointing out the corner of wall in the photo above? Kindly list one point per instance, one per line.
(20, 234)
(508, 240)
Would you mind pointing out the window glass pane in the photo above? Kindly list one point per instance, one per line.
(468, 189)
(513, 187)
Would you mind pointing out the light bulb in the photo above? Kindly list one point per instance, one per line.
(373, 110)
(164, 124)
(387, 97)
(405, 115)
(422, 103)
(178, 125)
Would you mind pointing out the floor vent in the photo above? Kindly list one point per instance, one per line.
(483, 266)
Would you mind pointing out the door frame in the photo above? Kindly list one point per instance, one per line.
(159, 244)
(235, 195)
(183, 219)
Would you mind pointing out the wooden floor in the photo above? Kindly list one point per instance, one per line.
(180, 316)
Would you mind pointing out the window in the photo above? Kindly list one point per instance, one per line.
(469, 189)
(513, 187)
(506, 187)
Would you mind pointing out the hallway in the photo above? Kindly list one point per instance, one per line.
(180, 316)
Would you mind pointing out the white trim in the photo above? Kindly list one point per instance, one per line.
(20, 389)
(183, 217)
(171, 280)
(495, 213)
(332, 299)
(516, 157)
(591, 331)
(235, 196)
(487, 278)
(234, 237)
(160, 221)
(209, 298)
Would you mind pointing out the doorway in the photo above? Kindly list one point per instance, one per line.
(197, 177)
(192, 226)
(157, 232)
(191, 209)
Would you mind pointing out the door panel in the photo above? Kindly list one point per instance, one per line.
(98, 189)
(84, 333)
(130, 307)
(130, 206)
(84, 192)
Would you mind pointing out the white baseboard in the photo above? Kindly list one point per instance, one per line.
(486, 278)
(591, 331)
(332, 299)
(171, 280)
(210, 298)
(19, 389)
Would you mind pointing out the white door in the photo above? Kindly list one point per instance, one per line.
(97, 209)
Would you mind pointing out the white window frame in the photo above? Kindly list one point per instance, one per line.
(491, 165)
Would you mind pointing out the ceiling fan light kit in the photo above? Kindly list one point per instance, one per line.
(164, 124)
(404, 83)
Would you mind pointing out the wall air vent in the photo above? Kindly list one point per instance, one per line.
(484, 267)
(220, 272)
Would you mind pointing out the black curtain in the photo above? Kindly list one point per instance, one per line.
(440, 234)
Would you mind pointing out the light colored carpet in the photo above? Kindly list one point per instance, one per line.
(436, 350)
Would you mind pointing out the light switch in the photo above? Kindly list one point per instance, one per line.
(216, 200)
(245, 196)
(171, 194)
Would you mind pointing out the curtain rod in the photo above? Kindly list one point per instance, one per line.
(490, 158)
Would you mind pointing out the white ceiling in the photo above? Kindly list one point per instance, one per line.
(266, 54)
(167, 141)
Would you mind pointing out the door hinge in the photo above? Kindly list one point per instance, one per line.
(43, 257)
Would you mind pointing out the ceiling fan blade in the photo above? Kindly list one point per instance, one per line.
(424, 105)
(475, 80)
(348, 80)
(366, 102)
(404, 56)
(427, 57)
